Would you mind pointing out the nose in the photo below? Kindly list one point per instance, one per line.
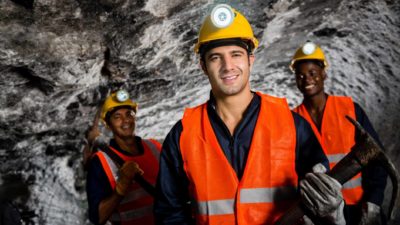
(227, 63)
(127, 118)
(308, 77)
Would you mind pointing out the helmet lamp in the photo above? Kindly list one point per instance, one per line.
(309, 48)
(222, 16)
(122, 95)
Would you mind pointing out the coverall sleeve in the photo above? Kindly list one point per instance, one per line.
(374, 176)
(308, 149)
(172, 203)
(97, 188)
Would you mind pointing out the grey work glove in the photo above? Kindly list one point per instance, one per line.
(307, 220)
(371, 214)
(322, 195)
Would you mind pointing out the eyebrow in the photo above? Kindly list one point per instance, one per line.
(231, 52)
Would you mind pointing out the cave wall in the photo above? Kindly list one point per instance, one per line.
(59, 59)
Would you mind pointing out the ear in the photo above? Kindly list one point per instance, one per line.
(106, 125)
(324, 76)
(252, 57)
(203, 67)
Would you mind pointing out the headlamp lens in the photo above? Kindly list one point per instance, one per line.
(222, 15)
(122, 95)
(309, 48)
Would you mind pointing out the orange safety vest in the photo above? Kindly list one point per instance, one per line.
(137, 205)
(269, 181)
(337, 137)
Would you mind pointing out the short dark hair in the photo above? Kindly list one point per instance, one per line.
(246, 44)
(317, 62)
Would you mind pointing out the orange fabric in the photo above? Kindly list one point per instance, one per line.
(337, 135)
(137, 199)
(107, 169)
(270, 163)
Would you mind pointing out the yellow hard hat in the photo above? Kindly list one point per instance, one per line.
(117, 99)
(308, 51)
(225, 22)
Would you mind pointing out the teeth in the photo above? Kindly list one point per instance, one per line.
(229, 77)
(310, 86)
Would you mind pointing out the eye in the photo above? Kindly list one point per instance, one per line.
(214, 58)
(130, 114)
(299, 76)
(236, 55)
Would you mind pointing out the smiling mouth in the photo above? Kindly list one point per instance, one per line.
(229, 78)
(126, 127)
(310, 86)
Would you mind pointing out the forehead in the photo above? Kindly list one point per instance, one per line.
(307, 65)
(123, 111)
(225, 49)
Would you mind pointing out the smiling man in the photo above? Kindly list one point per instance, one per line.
(236, 158)
(326, 114)
(113, 191)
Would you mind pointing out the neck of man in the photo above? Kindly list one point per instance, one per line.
(315, 106)
(231, 108)
(127, 144)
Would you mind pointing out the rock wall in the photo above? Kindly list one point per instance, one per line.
(59, 59)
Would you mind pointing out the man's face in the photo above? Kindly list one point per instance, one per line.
(122, 123)
(228, 70)
(310, 78)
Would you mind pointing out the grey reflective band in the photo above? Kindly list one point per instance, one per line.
(153, 148)
(352, 183)
(132, 214)
(267, 195)
(216, 207)
(135, 195)
(112, 165)
(334, 158)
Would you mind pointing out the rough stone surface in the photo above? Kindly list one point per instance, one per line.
(59, 59)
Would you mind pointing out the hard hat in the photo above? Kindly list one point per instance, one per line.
(308, 51)
(225, 22)
(117, 99)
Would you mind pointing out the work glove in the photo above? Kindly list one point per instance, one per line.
(319, 168)
(125, 176)
(307, 220)
(371, 214)
(322, 195)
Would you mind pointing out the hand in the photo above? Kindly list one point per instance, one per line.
(126, 174)
(322, 195)
(93, 132)
(371, 214)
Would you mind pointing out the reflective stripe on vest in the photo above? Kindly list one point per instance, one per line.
(136, 206)
(155, 150)
(216, 207)
(353, 183)
(335, 158)
(134, 195)
(337, 137)
(269, 180)
(132, 214)
(267, 195)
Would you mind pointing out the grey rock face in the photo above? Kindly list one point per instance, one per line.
(59, 59)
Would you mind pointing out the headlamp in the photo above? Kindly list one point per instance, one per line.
(122, 95)
(222, 15)
(309, 48)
